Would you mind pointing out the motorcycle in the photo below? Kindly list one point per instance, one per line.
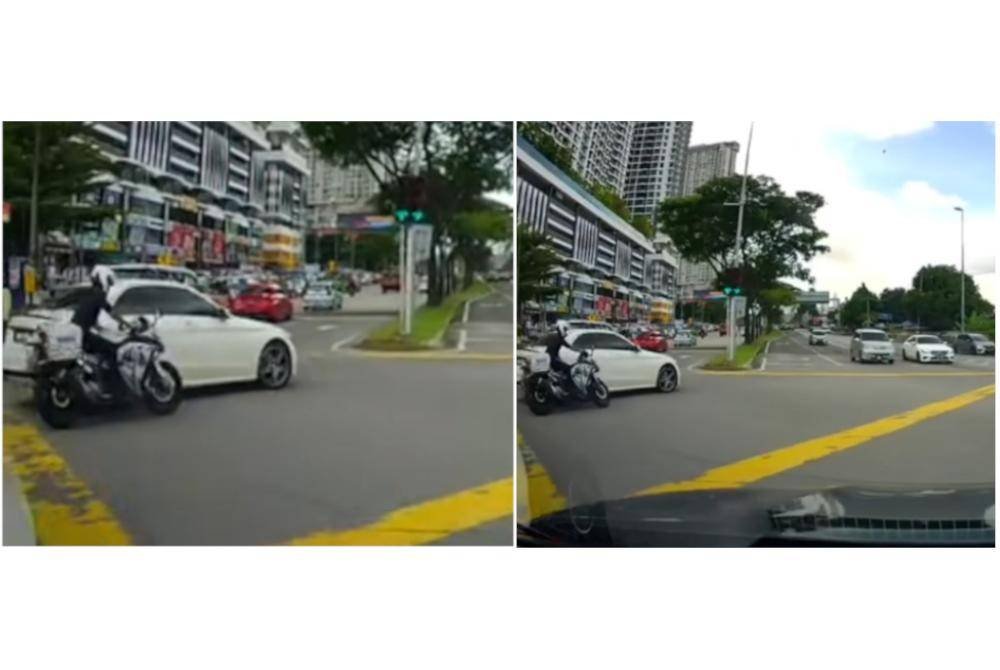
(546, 387)
(69, 379)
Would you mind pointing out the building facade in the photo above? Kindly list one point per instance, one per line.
(599, 149)
(335, 189)
(199, 193)
(706, 162)
(609, 270)
(656, 164)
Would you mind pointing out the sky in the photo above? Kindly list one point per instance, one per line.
(890, 189)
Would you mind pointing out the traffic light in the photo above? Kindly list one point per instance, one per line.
(731, 280)
(402, 215)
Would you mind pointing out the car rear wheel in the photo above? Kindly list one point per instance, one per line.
(274, 367)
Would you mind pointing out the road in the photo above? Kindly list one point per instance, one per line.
(358, 449)
(807, 396)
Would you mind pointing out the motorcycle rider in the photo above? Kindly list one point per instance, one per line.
(556, 341)
(85, 316)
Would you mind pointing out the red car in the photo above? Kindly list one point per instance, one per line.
(263, 301)
(390, 283)
(651, 340)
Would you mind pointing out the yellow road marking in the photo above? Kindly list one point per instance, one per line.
(543, 496)
(761, 466)
(438, 356)
(790, 373)
(427, 521)
(65, 510)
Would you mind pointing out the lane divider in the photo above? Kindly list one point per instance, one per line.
(65, 510)
(755, 468)
(796, 373)
(428, 521)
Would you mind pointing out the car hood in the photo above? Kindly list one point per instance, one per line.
(930, 348)
(962, 515)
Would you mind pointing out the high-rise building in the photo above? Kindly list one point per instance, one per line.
(655, 168)
(202, 193)
(599, 149)
(335, 189)
(706, 162)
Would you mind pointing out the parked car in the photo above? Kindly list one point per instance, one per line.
(651, 339)
(685, 338)
(624, 366)
(322, 295)
(263, 301)
(927, 349)
(972, 343)
(208, 344)
(818, 336)
(122, 271)
(584, 324)
(871, 344)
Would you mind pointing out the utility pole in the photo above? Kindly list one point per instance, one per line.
(34, 249)
(961, 213)
(730, 307)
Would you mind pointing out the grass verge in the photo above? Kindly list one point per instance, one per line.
(428, 326)
(745, 354)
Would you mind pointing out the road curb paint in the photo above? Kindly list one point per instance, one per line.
(65, 510)
(428, 521)
(753, 469)
(543, 496)
(447, 355)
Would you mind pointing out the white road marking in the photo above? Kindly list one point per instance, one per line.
(339, 343)
(692, 366)
(763, 361)
(462, 335)
(329, 326)
(465, 312)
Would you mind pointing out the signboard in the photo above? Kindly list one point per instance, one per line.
(814, 297)
(740, 306)
(421, 241)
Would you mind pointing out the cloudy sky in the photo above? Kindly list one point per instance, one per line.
(890, 189)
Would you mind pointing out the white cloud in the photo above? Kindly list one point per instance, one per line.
(883, 130)
(877, 238)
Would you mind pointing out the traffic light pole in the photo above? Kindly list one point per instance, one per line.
(739, 235)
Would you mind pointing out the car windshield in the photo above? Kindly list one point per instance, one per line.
(66, 299)
(978, 338)
(869, 336)
(929, 339)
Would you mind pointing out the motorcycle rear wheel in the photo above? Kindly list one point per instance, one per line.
(539, 399)
(56, 404)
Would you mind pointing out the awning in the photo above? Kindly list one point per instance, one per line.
(146, 193)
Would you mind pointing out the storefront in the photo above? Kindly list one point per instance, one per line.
(237, 239)
(145, 225)
(559, 303)
(661, 311)
(282, 247)
(213, 236)
(584, 295)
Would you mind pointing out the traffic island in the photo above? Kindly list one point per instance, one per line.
(428, 327)
(745, 357)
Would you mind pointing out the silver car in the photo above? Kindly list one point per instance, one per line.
(872, 344)
(685, 338)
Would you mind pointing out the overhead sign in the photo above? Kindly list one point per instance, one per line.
(813, 297)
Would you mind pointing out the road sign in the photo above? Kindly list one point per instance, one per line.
(739, 306)
(421, 241)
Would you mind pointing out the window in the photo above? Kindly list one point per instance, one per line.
(609, 341)
(166, 300)
(927, 339)
(874, 337)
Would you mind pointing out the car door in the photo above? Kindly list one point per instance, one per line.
(621, 357)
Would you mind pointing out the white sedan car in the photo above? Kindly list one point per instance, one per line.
(623, 365)
(927, 349)
(322, 295)
(209, 345)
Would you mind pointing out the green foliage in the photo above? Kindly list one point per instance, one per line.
(534, 132)
(935, 297)
(610, 199)
(860, 308)
(474, 231)
(773, 299)
(536, 266)
(454, 163)
(893, 301)
(644, 225)
(68, 163)
(429, 324)
(981, 323)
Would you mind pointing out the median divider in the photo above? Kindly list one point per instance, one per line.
(428, 327)
(745, 355)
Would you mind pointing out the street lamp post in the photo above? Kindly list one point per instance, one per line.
(730, 306)
(961, 214)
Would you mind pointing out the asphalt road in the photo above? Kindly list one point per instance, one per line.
(646, 440)
(487, 326)
(351, 440)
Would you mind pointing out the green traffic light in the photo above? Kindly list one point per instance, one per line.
(418, 215)
(402, 215)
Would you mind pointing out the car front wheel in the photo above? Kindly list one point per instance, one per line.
(274, 366)
(666, 379)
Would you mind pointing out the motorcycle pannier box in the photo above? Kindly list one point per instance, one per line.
(64, 340)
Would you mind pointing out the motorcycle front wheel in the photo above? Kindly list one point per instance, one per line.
(56, 404)
(162, 396)
(599, 393)
(539, 398)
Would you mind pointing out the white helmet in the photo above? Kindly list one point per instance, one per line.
(562, 327)
(102, 276)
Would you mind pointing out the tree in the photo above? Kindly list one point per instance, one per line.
(475, 231)
(534, 132)
(779, 233)
(773, 299)
(610, 199)
(893, 301)
(442, 168)
(68, 161)
(860, 308)
(644, 226)
(935, 297)
(537, 264)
